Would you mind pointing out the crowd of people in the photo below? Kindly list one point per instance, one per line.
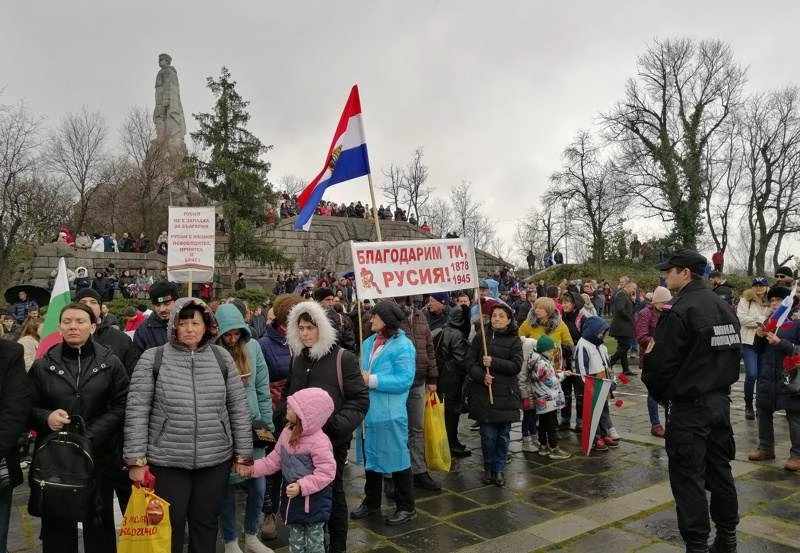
(217, 397)
(110, 243)
(354, 210)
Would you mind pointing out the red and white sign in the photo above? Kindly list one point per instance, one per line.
(190, 246)
(408, 268)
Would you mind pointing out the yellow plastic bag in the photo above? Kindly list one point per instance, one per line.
(145, 526)
(437, 448)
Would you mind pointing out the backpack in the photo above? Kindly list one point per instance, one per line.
(62, 475)
(159, 358)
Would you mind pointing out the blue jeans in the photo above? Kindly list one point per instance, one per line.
(255, 500)
(529, 425)
(5, 516)
(750, 357)
(495, 437)
(652, 410)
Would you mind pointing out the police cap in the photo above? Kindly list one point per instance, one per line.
(685, 259)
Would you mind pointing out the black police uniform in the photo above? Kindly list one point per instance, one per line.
(694, 361)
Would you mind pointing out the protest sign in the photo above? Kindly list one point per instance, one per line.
(407, 268)
(190, 246)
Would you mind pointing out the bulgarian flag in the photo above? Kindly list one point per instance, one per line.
(59, 298)
(595, 394)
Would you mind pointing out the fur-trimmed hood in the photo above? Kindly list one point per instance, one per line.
(212, 328)
(327, 334)
(750, 295)
(553, 320)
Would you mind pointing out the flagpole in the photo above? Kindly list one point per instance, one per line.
(374, 209)
(483, 339)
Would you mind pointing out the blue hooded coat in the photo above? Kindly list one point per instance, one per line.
(383, 438)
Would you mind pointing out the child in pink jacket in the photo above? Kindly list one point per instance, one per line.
(304, 456)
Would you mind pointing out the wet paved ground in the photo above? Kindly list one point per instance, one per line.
(615, 501)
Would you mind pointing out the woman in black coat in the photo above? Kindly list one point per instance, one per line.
(16, 396)
(772, 394)
(81, 377)
(453, 361)
(498, 370)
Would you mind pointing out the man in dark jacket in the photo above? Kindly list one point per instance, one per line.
(437, 310)
(416, 328)
(16, 400)
(153, 332)
(452, 360)
(317, 363)
(104, 286)
(694, 361)
(622, 325)
(345, 337)
(721, 287)
(106, 334)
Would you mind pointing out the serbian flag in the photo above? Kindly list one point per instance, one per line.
(778, 316)
(347, 159)
(59, 298)
(595, 394)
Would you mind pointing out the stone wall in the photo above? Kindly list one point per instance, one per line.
(325, 246)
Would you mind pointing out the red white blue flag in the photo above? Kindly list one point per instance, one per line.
(347, 159)
(778, 316)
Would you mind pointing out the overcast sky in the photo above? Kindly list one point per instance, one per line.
(493, 91)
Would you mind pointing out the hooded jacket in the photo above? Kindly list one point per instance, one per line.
(538, 380)
(591, 356)
(452, 355)
(191, 417)
(310, 462)
(316, 367)
(256, 386)
(505, 349)
(382, 441)
(554, 327)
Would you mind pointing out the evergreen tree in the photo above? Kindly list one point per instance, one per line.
(234, 175)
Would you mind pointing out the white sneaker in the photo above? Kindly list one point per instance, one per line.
(232, 547)
(253, 545)
(612, 433)
(529, 445)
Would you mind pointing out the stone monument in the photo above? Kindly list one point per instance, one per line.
(168, 114)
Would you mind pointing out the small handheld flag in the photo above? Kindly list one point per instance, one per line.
(778, 316)
(347, 159)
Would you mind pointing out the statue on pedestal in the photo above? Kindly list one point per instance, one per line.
(168, 114)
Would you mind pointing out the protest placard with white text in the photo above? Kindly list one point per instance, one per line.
(190, 246)
(407, 268)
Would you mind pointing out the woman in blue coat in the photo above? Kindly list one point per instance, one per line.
(388, 365)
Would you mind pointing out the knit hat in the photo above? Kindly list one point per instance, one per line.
(163, 291)
(441, 297)
(390, 313)
(760, 281)
(321, 293)
(88, 293)
(780, 292)
(661, 295)
(544, 344)
(784, 271)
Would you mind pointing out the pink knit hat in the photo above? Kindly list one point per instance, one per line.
(661, 295)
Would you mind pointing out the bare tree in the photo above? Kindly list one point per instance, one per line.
(591, 192)
(724, 177)
(683, 92)
(150, 169)
(439, 216)
(468, 220)
(291, 184)
(771, 136)
(76, 153)
(413, 183)
(393, 186)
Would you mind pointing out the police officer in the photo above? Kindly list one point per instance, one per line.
(694, 361)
